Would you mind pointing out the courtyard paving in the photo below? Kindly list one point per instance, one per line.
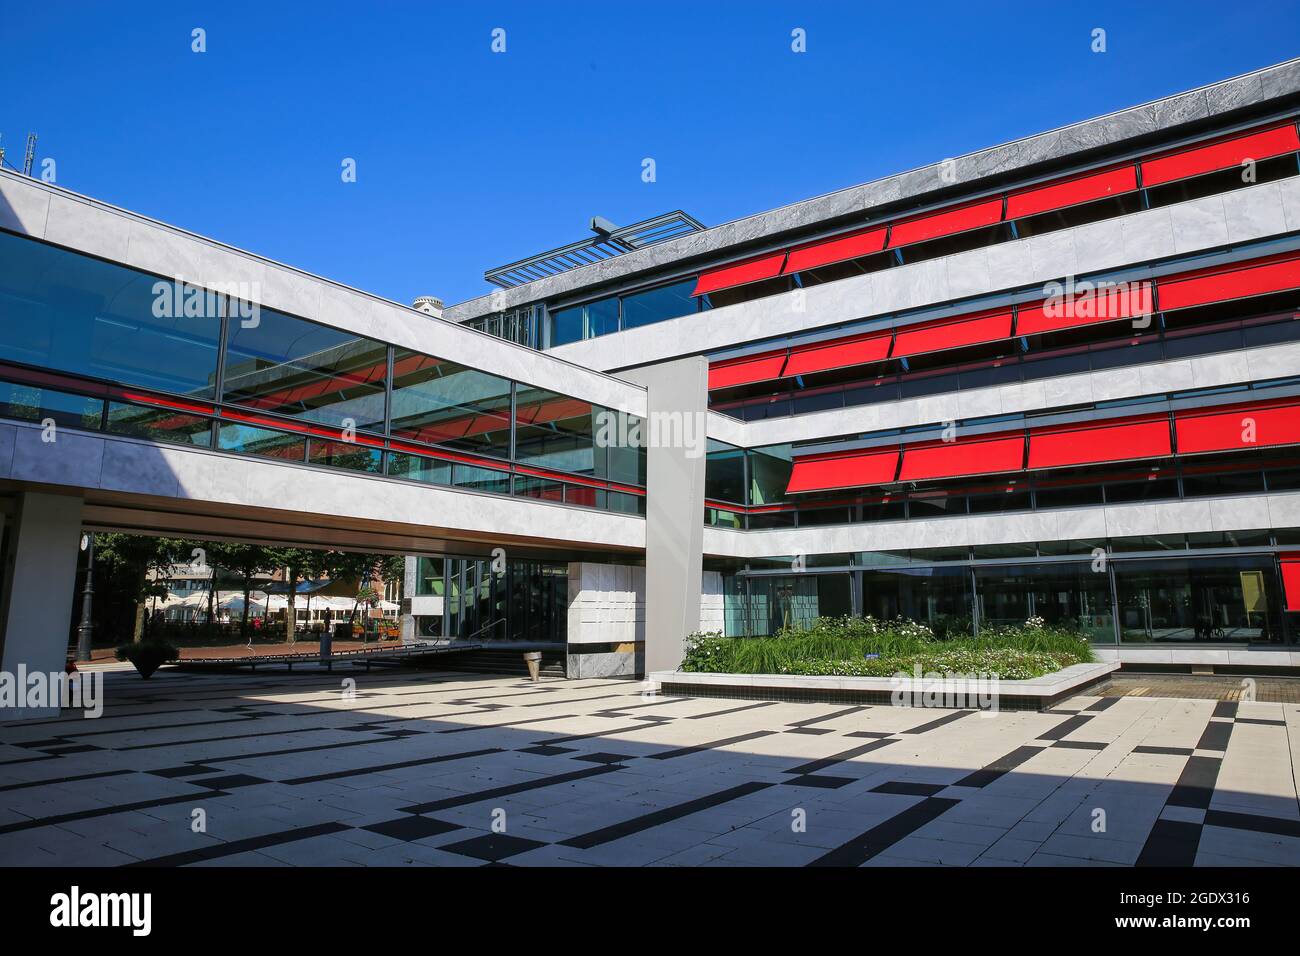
(420, 768)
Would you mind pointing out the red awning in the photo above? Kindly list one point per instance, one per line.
(1095, 442)
(848, 469)
(746, 369)
(1237, 281)
(855, 244)
(1071, 192)
(973, 456)
(1290, 562)
(1121, 301)
(740, 273)
(1243, 426)
(945, 222)
(1220, 154)
(838, 353)
(953, 333)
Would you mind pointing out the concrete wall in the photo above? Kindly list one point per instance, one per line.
(606, 619)
(607, 605)
(40, 576)
(712, 603)
(674, 510)
(118, 472)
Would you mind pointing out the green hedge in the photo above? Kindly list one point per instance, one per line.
(848, 646)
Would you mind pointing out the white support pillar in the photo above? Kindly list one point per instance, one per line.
(677, 393)
(40, 580)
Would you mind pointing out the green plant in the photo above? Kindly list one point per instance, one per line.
(147, 656)
(866, 647)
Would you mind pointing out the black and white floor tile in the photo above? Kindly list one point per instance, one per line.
(419, 768)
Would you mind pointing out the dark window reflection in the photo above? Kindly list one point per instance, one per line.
(306, 371)
(65, 311)
(445, 403)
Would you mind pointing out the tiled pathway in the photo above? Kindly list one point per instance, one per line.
(461, 770)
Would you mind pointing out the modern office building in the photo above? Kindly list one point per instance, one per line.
(1058, 378)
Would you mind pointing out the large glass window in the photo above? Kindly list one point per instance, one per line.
(769, 474)
(624, 440)
(724, 473)
(159, 424)
(658, 305)
(432, 471)
(938, 597)
(1214, 600)
(584, 321)
(65, 311)
(33, 404)
(264, 442)
(428, 577)
(554, 431)
(338, 454)
(445, 403)
(796, 600)
(1071, 595)
(306, 371)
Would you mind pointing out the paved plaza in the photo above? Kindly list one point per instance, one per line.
(421, 768)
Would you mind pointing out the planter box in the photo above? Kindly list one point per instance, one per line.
(1035, 694)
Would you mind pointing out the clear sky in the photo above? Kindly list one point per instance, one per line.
(467, 159)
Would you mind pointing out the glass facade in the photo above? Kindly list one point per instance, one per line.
(615, 313)
(304, 371)
(71, 313)
(286, 388)
(526, 601)
(444, 403)
(1219, 600)
(555, 431)
(1225, 598)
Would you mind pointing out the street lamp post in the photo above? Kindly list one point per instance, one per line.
(85, 629)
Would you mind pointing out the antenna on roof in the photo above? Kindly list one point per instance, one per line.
(31, 154)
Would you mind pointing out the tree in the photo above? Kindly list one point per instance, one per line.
(134, 568)
(246, 561)
(352, 566)
(299, 564)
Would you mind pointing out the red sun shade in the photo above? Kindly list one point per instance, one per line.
(1244, 426)
(945, 222)
(741, 273)
(746, 369)
(975, 456)
(850, 469)
(1121, 301)
(824, 253)
(1220, 154)
(1237, 281)
(1290, 561)
(953, 333)
(1097, 442)
(1071, 192)
(838, 353)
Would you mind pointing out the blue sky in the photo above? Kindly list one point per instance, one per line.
(467, 159)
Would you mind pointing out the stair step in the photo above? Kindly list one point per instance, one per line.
(501, 661)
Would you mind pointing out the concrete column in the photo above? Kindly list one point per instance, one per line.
(409, 572)
(39, 582)
(678, 394)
